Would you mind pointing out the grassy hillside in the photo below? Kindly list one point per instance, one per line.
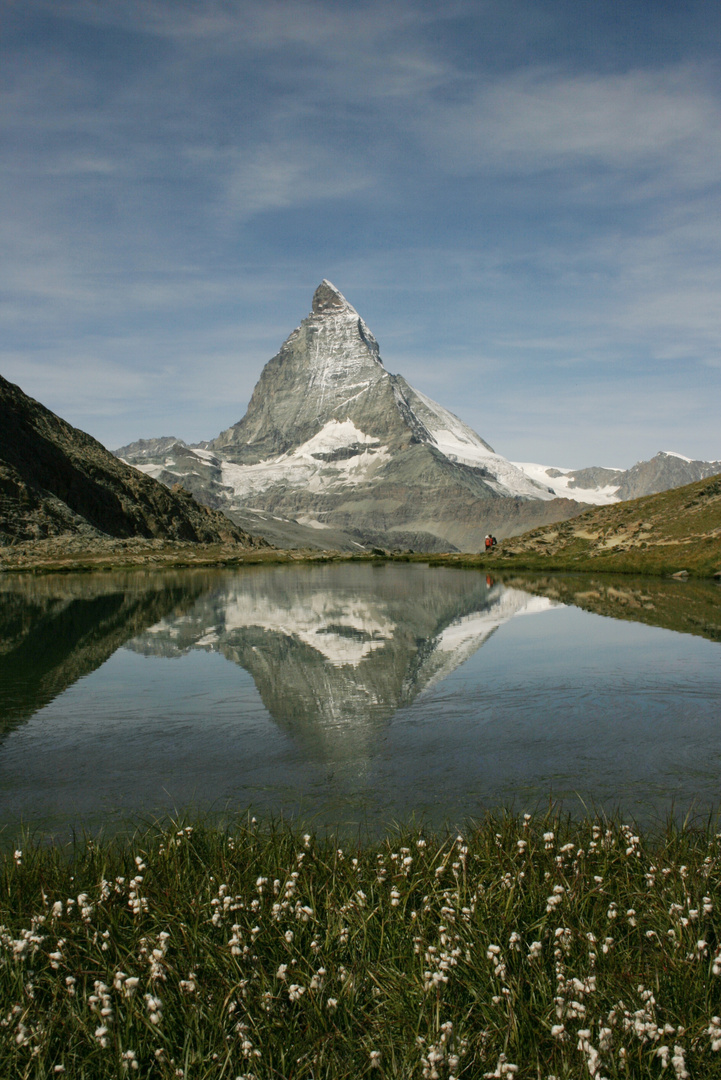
(658, 534)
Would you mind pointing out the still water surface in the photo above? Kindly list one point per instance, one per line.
(353, 693)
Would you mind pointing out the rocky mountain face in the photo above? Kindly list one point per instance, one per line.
(56, 480)
(602, 486)
(336, 446)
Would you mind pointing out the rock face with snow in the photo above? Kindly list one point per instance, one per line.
(602, 485)
(334, 443)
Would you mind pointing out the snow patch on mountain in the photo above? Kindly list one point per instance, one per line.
(461, 445)
(672, 453)
(339, 455)
(560, 481)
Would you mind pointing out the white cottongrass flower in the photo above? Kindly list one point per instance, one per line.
(375, 1059)
(155, 1008)
(503, 1068)
(714, 1032)
(101, 1034)
(678, 1061)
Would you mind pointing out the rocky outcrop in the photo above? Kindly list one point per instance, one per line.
(662, 472)
(57, 480)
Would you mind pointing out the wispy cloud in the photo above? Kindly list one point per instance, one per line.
(536, 118)
(510, 215)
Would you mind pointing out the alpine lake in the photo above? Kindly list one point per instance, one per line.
(354, 695)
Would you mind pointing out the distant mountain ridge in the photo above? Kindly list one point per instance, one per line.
(601, 486)
(56, 480)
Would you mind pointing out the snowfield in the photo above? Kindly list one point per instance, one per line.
(305, 467)
(560, 485)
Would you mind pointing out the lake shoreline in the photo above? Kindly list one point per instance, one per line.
(50, 557)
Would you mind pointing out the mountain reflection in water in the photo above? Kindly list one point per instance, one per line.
(335, 650)
(356, 691)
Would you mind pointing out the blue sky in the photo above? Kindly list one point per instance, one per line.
(522, 199)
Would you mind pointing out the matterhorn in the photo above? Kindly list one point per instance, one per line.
(334, 451)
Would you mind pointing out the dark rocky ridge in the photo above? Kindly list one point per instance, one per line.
(56, 480)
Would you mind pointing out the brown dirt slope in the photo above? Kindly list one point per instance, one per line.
(56, 480)
(667, 533)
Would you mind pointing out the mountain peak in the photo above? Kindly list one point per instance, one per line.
(329, 300)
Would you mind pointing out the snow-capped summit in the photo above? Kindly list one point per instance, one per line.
(332, 440)
(327, 392)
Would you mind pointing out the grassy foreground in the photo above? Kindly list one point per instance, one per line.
(526, 947)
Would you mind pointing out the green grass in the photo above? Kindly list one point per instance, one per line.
(259, 952)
